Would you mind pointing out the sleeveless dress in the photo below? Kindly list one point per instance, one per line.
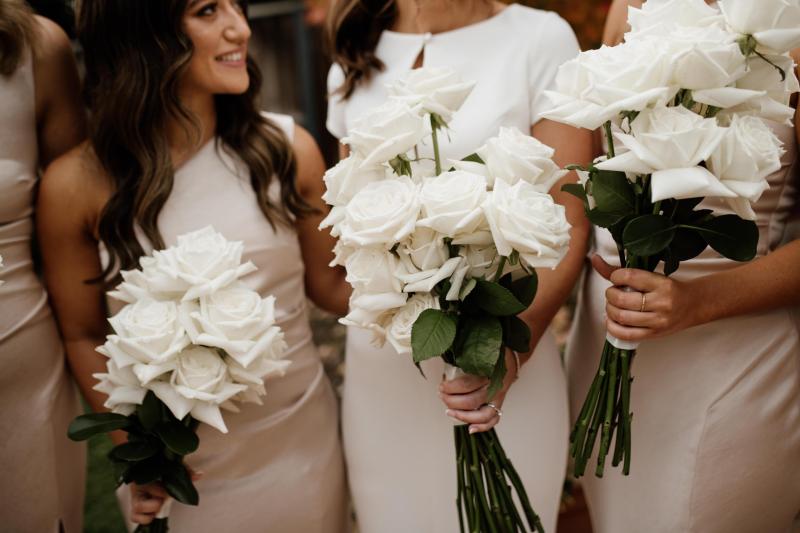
(398, 441)
(42, 472)
(716, 427)
(280, 468)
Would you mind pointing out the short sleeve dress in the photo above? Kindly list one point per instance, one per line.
(398, 441)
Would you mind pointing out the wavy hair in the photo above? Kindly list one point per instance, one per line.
(352, 32)
(135, 54)
(16, 34)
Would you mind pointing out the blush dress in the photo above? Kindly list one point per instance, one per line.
(42, 472)
(398, 441)
(280, 467)
(716, 427)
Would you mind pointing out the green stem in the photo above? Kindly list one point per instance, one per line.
(533, 519)
(627, 359)
(500, 267)
(460, 477)
(610, 402)
(436, 157)
(609, 139)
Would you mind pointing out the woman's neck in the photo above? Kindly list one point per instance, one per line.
(184, 140)
(437, 16)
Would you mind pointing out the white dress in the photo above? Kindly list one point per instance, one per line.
(398, 441)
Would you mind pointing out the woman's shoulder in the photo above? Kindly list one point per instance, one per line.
(539, 25)
(77, 179)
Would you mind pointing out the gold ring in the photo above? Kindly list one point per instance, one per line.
(644, 301)
(496, 409)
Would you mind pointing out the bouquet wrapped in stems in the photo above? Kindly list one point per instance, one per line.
(191, 340)
(441, 257)
(682, 104)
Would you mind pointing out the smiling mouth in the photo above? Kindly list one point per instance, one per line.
(233, 57)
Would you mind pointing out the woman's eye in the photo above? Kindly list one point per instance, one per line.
(208, 9)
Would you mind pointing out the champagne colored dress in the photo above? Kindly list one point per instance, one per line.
(280, 468)
(398, 441)
(716, 425)
(41, 471)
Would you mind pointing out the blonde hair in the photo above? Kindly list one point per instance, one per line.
(17, 27)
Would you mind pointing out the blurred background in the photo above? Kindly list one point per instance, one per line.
(288, 45)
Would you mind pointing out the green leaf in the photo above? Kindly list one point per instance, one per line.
(133, 451)
(432, 334)
(496, 299)
(86, 426)
(687, 244)
(150, 411)
(604, 220)
(613, 192)
(146, 471)
(499, 374)
(178, 483)
(483, 337)
(474, 158)
(516, 334)
(731, 236)
(177, 437)
(648, 235)
(524, 289)
(576, 189)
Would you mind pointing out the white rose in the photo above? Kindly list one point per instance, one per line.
(370, 311)
(481, 259)
(597, 85)
(372, 270)
(148, 335)
(398, 332)
(237, 320)
(436, 90)
(451, 202)
(667, 14)
(202, 262)
(769, 94)
(382, 213)
(528, 221)
(198, 386)
(348, 177)
(425, 280)
(748, 153)
(775, 24)
(670, 143)
(425, 249)
(387, 131)
(122, 387)
(512, 156)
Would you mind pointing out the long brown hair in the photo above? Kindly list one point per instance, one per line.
(135, 54)
(16, 33)
(353, 30)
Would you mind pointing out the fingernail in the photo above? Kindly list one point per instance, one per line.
(449, 412)
(472, 430)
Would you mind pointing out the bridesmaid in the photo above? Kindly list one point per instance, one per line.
(177, 143)
(717, 378)
(398, 441)
(41, 117)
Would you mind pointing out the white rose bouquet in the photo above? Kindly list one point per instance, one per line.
(442, 260)
(191, 341)
(682, 104)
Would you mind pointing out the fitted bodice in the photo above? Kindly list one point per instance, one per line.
(213, 188)
(512, 57)
(772, 210)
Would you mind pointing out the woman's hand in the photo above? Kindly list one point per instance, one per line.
(467, 398)
(146, 502)
(643, 305)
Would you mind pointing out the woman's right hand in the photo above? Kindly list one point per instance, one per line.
(146, 502)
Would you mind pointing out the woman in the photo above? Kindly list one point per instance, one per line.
(41, 117)
(398, 441)
(716, 398)
(177, 143)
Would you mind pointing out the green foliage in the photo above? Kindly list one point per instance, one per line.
(648, 235)
(89, 425)
(432, 334)
(482, 340)
(495, 299)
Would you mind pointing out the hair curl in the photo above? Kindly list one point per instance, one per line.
(16, 34)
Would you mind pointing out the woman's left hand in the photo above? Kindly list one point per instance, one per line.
(467, 398)
(653, 305)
